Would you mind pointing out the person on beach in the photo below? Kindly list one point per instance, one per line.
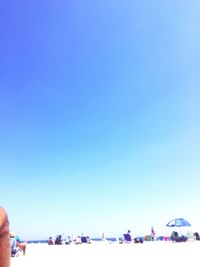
(103, 237)
(77, 240)
(14, 250)
(50, 241)
(19, 244)
(68, 240)
(4, 239)
(58, 240)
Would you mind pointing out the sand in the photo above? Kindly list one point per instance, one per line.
(158, 253)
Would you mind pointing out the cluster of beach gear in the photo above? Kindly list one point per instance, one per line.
(62, 240)
(125, 239)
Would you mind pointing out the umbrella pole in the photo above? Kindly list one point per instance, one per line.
(181, 231)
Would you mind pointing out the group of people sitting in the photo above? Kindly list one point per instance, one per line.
(175, 237)
(69, 240)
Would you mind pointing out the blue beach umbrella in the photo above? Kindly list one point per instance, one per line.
(179, 222)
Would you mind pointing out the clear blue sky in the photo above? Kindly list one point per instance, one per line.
(99, 115)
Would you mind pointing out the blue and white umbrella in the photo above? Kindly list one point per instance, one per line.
(179, 222)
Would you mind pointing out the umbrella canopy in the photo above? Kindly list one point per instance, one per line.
(180, 222)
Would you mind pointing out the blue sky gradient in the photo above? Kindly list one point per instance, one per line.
(99, 115)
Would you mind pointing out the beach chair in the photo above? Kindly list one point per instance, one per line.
(14, 250)
(84, 239)
(127, 238)
(190, 236)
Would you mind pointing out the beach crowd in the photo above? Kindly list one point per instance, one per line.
(12, 246)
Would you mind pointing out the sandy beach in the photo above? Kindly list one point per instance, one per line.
(158, 253)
